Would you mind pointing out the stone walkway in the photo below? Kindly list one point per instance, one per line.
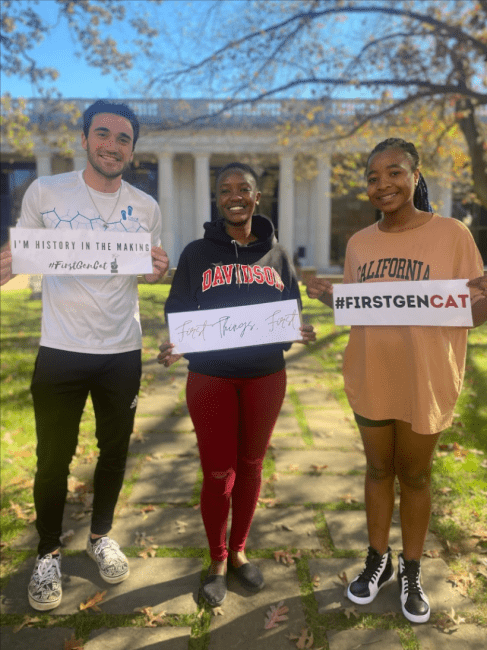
(312, 506)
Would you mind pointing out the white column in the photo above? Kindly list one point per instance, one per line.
(322, 217)
(202, 207)
(165, 190)
(79, 162)
(43, 164)
(286, 203)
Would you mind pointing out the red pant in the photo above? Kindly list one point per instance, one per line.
(233, 419)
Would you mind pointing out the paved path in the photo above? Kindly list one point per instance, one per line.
(312, 506)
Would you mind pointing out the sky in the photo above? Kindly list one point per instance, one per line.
(176, 17)
(78, 79)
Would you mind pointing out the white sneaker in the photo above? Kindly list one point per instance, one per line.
(378, 573)
(112, 563)
(45, 590)
(414, 602)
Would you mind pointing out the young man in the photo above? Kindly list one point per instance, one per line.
(90, 342)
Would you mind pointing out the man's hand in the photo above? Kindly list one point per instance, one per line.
(6, 265)
(160, 264)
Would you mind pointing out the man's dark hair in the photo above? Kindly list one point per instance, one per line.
(101, 106)
(238, 166)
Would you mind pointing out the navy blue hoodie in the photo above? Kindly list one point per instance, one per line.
(217, 272)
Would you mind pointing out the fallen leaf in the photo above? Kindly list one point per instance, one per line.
(462, 582)
(217, 611)
(343, 578)
(276, 614)
(151, 619)
(73, 643)
(286, 556)
(138, 436)
(305, 640)
(432, 553)
(268, 502)
(459, 451)
(316, 581)
(18, 511)
(350, 611)
(65, 537)
(92, 603)
(149, 508)
(141, 539)
(150, 551)
(86, 499)
(79, 515)
(181, 526)
(317, 468)
(26, 621)
(294, 467)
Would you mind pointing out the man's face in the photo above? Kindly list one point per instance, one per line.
(109, 144)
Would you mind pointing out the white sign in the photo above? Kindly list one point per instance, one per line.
(426, 302)
(235, 327)
(80, 252)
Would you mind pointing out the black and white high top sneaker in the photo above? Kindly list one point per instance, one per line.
(377, 573)
(414, 602)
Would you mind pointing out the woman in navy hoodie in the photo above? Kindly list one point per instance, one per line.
(234, 396)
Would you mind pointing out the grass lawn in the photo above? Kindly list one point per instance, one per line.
(460, 467)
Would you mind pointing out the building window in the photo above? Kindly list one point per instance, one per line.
(143, 176)
(15, 179)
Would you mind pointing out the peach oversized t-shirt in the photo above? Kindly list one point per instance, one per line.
(408, 373)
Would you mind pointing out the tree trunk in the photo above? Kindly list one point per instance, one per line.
(476, 147)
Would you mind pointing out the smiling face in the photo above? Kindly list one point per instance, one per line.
(236, 197)
(391, 181)
(109, 145)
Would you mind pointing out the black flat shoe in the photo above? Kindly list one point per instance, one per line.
(214, 589)
(249, 576)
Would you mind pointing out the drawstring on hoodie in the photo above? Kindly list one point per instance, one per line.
(237, 270)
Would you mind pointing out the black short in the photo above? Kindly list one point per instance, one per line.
(365, 422)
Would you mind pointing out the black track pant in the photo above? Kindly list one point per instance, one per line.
(60, 387)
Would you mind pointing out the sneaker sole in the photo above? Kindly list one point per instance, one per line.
(111, 580)
(43, 607)
(368, 599)
(424, 618)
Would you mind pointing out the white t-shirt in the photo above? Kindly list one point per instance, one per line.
(90, 314)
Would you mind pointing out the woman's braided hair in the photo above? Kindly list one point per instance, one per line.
(420, 199)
